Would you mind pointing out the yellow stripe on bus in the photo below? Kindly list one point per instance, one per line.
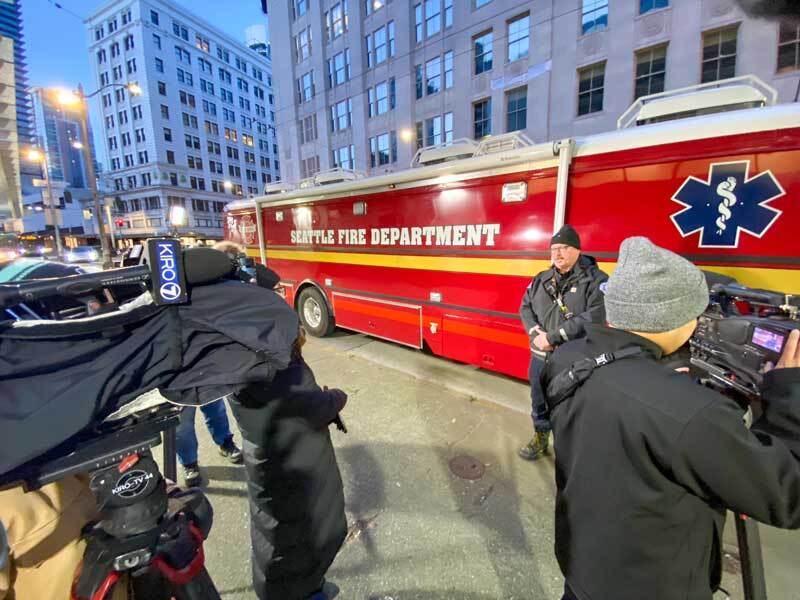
(783, 280)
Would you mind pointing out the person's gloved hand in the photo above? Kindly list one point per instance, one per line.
(339, 398)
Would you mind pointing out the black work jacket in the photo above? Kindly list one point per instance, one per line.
(579, 292)
(648, 461)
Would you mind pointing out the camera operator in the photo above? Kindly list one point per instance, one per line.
(648, 461)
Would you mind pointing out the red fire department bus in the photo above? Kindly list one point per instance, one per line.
(440, 254)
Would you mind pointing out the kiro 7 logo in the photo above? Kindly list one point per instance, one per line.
(728, 203)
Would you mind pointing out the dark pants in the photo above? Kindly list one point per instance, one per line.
(539, 413)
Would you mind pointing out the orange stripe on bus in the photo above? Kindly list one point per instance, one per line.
(379, 311)
(519, 340)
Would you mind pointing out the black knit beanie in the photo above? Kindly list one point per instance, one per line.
(567, 235)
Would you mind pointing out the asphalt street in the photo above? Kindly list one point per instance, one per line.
(439, 506)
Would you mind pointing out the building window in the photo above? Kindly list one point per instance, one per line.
(519, 38)
(418, 31)
(154, 17)
(308, 129)
(185, 77)
(202, 43)
(383, 149)
(448, 70)
(338, 68)
(788, 47)
(594, 16)
(302, 45)
(517, 109)
(137, 112)
(171, 157)
(433, 131)
(342, 115)
(381, 98)
(433, 17)
(336, 20)
(299, 8)
(590, 89)
(380, 44)
(157, 41)
(651, 66)
(719, 55)
(159, 65)
(344, 157)
(162, 88)
(305, 88)
(180, 31)
(164, 111)
(482, 118)
(309, 167)
(479, 3)
(448, 13)
(648, 5)
(419, 81)
(482, 45)
(167, 134)
(433, 76)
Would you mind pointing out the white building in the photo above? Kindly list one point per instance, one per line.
(202, 131)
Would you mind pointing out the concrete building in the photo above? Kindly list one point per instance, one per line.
(11, 27)
(10, 195)
(202, 132)
(365, 83)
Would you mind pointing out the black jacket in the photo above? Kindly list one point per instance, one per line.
(648, 461)
(580, 293)
(296, 497)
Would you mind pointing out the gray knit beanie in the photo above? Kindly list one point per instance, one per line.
(652, 289)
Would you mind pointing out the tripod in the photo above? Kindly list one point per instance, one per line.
(154, 537)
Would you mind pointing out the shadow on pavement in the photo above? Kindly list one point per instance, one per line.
(214, 473)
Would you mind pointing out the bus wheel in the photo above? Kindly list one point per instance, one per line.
(314, 313)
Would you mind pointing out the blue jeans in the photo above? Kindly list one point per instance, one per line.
(539, 412)
(185, 438)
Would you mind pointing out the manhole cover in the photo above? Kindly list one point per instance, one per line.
(467, 467)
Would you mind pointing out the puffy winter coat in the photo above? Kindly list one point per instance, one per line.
(296, 497)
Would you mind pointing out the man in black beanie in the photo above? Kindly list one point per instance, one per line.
(556, 305)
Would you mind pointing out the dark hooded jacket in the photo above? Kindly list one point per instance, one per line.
(648, 462)
(579, 292)
(295, 490)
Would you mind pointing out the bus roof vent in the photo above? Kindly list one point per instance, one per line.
(431, 155)
(747, 91)
(502, 143)
(279, 187)
(336, 175)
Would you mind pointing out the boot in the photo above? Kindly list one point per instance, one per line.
(539, 446)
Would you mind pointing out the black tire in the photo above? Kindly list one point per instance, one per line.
(314, 314)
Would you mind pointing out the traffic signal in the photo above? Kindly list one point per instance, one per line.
(119, 222)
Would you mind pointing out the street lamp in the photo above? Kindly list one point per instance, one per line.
(228, 185)
(77, 99)
(36, 155)
(406, 134)
(77, 145)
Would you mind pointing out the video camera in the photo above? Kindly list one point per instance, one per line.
(741, 335)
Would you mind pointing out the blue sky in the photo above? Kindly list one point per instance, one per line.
(56, 40)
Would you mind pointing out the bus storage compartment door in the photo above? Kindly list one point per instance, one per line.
(385, 319)
(492, 344)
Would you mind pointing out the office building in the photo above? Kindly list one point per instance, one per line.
(365, 83)
(11, 27)
(201, 133)
(10, 197)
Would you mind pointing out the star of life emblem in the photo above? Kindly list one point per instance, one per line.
(726, 204)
